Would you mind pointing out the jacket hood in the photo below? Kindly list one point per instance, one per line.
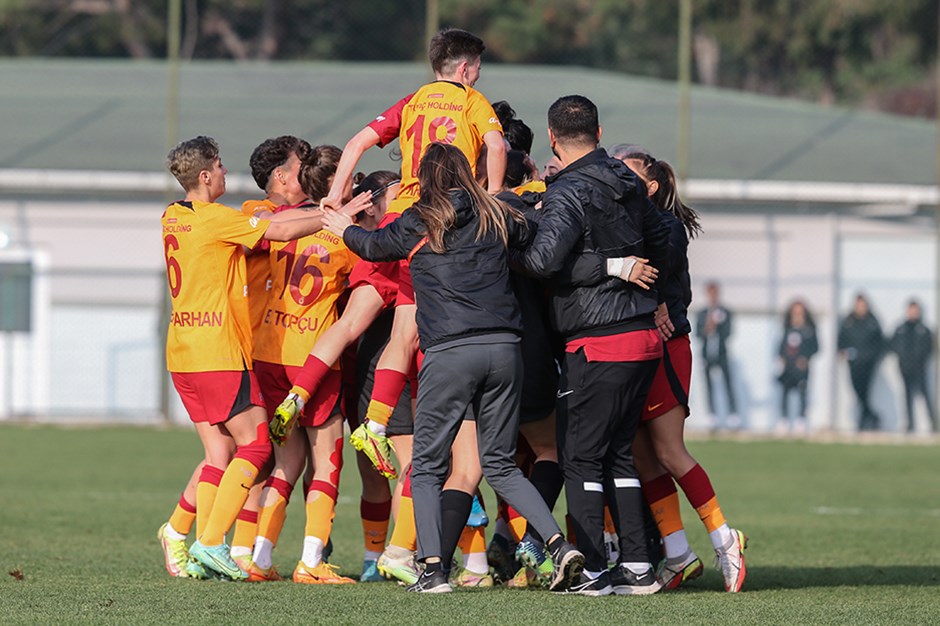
(463, 207)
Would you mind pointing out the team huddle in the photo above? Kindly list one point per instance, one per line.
(468, 318)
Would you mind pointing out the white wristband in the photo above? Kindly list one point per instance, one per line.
(614, 266)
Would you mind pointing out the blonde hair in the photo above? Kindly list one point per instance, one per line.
(190, 157)
(444, 168)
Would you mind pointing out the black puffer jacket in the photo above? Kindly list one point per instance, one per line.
(461, 293)
(676, 289)
(596, 205)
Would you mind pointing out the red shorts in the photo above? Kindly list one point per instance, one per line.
(406, 291)
(382, 276)
(214, 397)
(670, 386)
(275, 382)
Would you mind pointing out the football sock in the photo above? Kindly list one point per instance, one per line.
(386, 392)
(698, 489)
(313, 551)
(404, 535)
(246, 529)
(375, 516)
(206, 491)
(181, 521)
(455, 509)
(321, 507)
(271, 519)
(517, 524)
(309, 377)
(472, 544)
(663, 500)
(547, 479)
(233, 489)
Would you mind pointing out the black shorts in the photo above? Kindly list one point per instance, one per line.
(371, 345)
(539, 364)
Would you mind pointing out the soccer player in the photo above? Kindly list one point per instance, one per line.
(376, 504)
(308, 276)
(469, 326)
(446, 110)
(661, 456)
(611, 345)
(275, 165)
(209, 338)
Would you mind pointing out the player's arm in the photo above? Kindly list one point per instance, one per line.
(559, 230)
(294, 223)
(495, 161)
(393, 242)
(352, 152)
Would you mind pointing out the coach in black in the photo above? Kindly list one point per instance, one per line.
(596, 205)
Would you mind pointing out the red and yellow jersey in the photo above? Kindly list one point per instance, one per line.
(256, 263)
(307, 277)
(535, 186)
(210, 329)
(440, 111)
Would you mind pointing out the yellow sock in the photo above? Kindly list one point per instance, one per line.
(246, 529)
(321, 506)
(472, 540)
(206, 490)
(404, 534)
(302, 393)
(609, 527)
(711, 515)
(182, 519)
(666, 514)
(379, 412)
(517, 525)
(374, 516)
(233, 491)
(271, 520)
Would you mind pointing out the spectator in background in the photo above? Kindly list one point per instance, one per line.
(797, 346)
(862, 343)
(713, 327)
(913, 343)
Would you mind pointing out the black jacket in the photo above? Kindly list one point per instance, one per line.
(596, 205)
(913, 343)
(797, 344)
(461, 293)
(862, 340)
(676, 289)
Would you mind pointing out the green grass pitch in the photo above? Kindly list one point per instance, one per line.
(840, 534)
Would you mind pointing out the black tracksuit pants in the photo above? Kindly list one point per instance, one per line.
(599, 409)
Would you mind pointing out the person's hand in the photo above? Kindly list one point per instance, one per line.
(359, 203)
(663, 324)
(634, 270)
(331, 202)
(336, 222)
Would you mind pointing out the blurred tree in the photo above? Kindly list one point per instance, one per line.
(873, 52)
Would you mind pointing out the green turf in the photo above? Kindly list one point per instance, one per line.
(839, 534)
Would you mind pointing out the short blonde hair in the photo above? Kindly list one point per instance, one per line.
(190, 157)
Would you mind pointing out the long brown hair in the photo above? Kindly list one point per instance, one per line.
(666, 197)
(442, 169)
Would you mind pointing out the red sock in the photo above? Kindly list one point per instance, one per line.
(698, 489)
(309, 377)
(385, 394)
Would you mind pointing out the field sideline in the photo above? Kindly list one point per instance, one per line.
(839, 534)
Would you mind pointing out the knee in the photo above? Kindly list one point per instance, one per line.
(256, 452)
